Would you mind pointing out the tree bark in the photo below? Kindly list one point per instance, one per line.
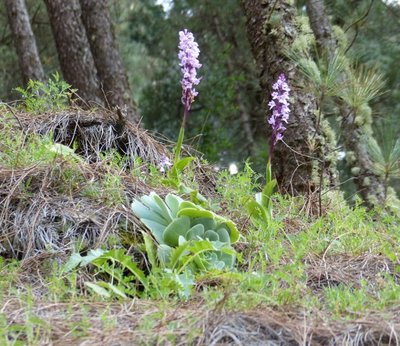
(73, 49)
(303, 161)
(369, 185)
(108, 61)
(24, 40)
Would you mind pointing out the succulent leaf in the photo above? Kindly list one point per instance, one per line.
(196, 232)
(156, 229)
(223, 235)
(196, 213)
(208, 223)
(211, 235)
(173, 203)
(178, 227)
(145, 213)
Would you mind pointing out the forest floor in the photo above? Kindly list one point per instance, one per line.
(320, 273)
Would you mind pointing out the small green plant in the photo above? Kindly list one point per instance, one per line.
(260, 209)
(187, 234)
(120, 274)
(386, 158)
(39, 97)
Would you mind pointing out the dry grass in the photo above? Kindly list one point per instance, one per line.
(41, 220)
(140, 322)
(95, 132)
(38, 213)
(334, 270)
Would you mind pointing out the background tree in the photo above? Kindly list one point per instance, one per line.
(24, 41)
(369, 185)
(108, 61)
(73, 48)
(272, 30)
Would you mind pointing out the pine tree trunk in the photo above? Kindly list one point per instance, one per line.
(24, 40)
(73, 49)
(303, 162)
(108, 61)
(369, 185)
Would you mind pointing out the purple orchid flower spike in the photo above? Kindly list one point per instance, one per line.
(189, 63)
(280, 110)
(188, 55)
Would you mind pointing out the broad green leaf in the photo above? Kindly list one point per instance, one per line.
(196, 232)
(73, 262)
(163, 207)
(144, 212)
(164, 253)
(156, 229)
(91, 256)
(176, 255)
(176, 228)
(228, 259)
(150, 249)
(195, 213)
(208, 223)
(182, 163)
(115, 289)
(187, 204)
(223, 235)
(152, 204)
(233, 231)
(267, 193)
(98, 289)
(211, 235)
(125, 261)
(173, 203)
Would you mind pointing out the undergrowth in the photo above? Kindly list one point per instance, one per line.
(343, 264)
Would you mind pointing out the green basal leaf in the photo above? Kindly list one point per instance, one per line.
(117, 291)
(156, 229)
(91, 256)
(164, 253)
(177, 254)
(173, 203)
(183, 163)
(223, 235)
(187, 204)
(196, 232)
(195, 213)
(233, 231)
(150, 249)
(153, 206)
(143, 212)
(211, 235)
(228, 259)
(178, 227)
(98, 289)
(166, 211)
(72, 263)
(208, 223)
(267, 193)
(118, 255)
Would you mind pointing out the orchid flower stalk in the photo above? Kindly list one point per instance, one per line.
(189, 63)
(260, 209)
(279, 105)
